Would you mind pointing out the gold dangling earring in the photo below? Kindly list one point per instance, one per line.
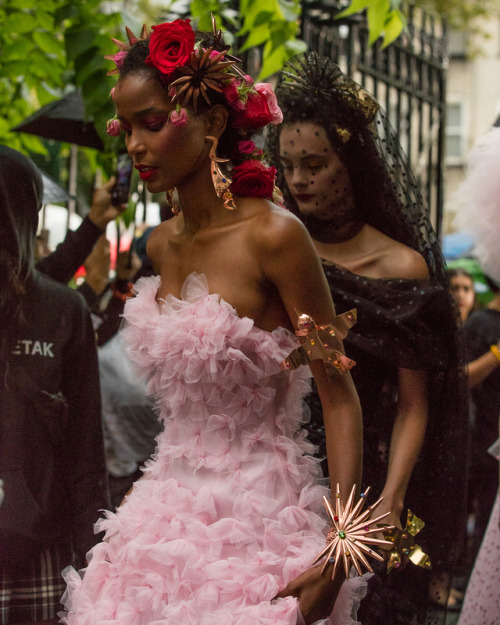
(220, 180)
(173, 206)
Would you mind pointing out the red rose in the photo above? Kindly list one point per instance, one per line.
(256, 113)
(171, 45)
(253, 179)
(232, 96)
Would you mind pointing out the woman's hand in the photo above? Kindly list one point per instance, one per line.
(316, 592)
(393, 518)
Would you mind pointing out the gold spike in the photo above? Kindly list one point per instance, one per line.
(120, 44)
(130, 36)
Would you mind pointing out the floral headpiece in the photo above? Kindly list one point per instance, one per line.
(200, 74)
(194, 73)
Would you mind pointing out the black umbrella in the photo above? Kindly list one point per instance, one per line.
(53, 193)
(63, 120)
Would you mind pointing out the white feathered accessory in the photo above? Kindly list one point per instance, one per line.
(478, 202)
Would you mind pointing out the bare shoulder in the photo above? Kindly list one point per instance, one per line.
(398, 260)
(158, 241)
(277, 227)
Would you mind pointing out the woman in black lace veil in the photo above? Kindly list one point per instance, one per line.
(381, 256)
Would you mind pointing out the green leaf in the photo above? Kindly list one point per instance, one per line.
(32, 143)
(19, 23)
(96, 94)
(44, 67)
(18, 68)
(4, 126)
(78, 41)
(19, 49)
(68, 11)
(295, 46)
(377, 14)
(96, 64)
(393, 28)
(257, 36)
(47, 43)
(356, 6)
(25, 5)
(46, 21)
(273, 61)
(290, 10)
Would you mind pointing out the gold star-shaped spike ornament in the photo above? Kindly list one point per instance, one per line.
(351, 534)
(403, 544)
(322, 343)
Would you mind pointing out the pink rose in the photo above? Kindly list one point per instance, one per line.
(232, 96)
(265, 89)
(113, 128)
(119, 57)
(248, 80)
(246, 147)
(179, 119)
(171, 45)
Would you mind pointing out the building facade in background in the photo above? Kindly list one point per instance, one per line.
(472, 103)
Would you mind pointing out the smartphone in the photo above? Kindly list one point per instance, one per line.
(121, 189)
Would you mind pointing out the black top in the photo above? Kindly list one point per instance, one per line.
(53, 464)
(481, 330)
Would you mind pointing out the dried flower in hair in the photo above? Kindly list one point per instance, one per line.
(179, 117)
(202, 74)
(113, 127)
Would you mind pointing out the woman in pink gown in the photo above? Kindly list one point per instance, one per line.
(226, 522)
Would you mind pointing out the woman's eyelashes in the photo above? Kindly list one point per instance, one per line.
(313, 167)
(155, 126)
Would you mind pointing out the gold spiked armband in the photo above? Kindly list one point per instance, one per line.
(322, 343)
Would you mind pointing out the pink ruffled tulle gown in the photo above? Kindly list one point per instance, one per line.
(229, 509)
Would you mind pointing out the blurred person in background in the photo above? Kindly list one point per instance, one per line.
(51, 446)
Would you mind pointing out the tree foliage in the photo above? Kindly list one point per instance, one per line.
(48, 48)
(386, 18)
(270, 24)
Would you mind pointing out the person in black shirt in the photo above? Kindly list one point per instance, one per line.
(51, 449)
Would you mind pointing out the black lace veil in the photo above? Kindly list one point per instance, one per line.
(387, 197)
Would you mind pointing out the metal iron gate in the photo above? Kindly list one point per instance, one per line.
(408, 78)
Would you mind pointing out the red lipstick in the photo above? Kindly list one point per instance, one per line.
(146, 172)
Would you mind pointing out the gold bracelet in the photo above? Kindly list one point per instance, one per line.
(495, 351)
(350, 536)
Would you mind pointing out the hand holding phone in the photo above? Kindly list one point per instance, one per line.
(121, 189)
